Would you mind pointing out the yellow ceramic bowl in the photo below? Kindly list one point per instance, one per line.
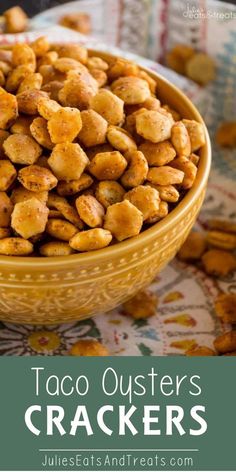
(62, 289)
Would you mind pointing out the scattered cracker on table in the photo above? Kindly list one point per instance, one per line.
(88, 347)
(226, 134)
(15, 20)
(225, 306)
(142, 305)
(200, 351)
(195, 65)
(204, 249)
(80, 22)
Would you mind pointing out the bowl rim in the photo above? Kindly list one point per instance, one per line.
(148, 234)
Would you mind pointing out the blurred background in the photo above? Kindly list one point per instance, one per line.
(34, 7)
(31, 7)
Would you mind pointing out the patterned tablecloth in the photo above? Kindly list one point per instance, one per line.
(185, 314)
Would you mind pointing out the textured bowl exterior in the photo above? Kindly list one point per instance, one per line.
(55, 290)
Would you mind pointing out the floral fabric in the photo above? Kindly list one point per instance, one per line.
(185, 314)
